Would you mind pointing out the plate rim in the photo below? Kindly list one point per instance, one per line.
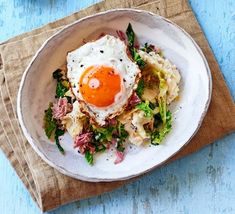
(94, 179)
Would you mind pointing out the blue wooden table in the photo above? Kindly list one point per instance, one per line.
(201, 183)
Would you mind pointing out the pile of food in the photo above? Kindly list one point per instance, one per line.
(113, 92)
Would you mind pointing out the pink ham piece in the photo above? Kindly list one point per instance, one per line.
(133, 101)
(156, 49)
(112, 122)
(121, 35)
(119, 157)
(61, 108)
(82, 142)
(114, 141)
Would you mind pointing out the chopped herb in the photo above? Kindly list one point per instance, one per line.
(49, 122)
(140, 88)
(120, 146)
(58, 133)
(89, 157)
(103, 134)
(100, 148)
(144, 106)
(123, 134)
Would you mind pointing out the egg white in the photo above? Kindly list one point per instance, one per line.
(107, 51)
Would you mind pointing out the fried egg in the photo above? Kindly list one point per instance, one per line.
(102, 77)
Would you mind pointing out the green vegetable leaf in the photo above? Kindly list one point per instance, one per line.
(89, 157)
(162, 108)
(58, 133)
(139, 61)
(152, 105)
(130, 35)
(49, 122)
(162, 120)
(131, 41)
(57, 74)
(157, 120)
(62, 85)
(159, 135)
(61, 89)
(163, 88)
(140, 88)
(144, 106)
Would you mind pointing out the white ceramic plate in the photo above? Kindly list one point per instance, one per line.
(37, 89)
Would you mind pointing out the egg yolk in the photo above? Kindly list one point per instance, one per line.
(99, 85)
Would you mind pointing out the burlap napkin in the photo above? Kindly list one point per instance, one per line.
(48, 187)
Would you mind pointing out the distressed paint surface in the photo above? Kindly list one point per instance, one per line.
(201, 183)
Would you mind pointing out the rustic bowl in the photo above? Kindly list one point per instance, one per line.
(37, 89)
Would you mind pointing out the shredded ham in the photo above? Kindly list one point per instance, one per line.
(61, 108)
(119, 157)
(133, 101)
(82, 141)
(91, 148)
(84, 41)
(156, 49)
(112, 122)
(114, 141)
(136, 45)
(121, 35)
(101, 35)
